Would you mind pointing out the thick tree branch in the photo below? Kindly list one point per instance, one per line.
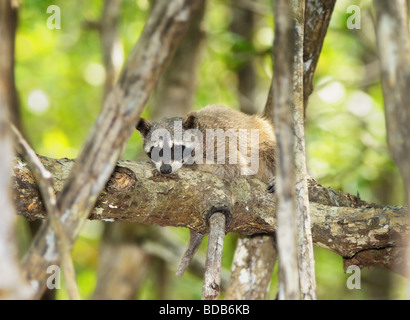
(368, 234)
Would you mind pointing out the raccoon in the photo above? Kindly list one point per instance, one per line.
(215, 139)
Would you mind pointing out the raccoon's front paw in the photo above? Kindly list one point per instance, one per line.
(271, 185)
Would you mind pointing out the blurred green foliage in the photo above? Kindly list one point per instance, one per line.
(60, 76)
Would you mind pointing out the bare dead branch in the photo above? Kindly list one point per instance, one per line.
(45, 183)
(195, 240)
(318, 14)
(281, 114)
(213, 265)
(305, 247)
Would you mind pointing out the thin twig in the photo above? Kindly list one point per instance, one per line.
(195, 240)
(45, 183)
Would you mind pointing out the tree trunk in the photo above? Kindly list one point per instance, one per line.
(392, 31)
(252, 266)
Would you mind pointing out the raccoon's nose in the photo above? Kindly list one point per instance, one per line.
(165, 168)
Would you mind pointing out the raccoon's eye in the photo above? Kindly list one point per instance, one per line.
(190, 152)
(155, 154)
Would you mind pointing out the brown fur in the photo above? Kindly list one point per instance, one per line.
(222, 117)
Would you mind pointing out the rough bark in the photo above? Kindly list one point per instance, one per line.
(318, 14)
(136, 193)
(305, 247)
(317, 18)
(281, 114)
(211, 288)
(114, 126)
(252, 266)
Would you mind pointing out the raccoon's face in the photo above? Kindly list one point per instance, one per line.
(164, 144)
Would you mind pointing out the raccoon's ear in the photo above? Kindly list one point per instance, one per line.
(144, 126)
(190, 121)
